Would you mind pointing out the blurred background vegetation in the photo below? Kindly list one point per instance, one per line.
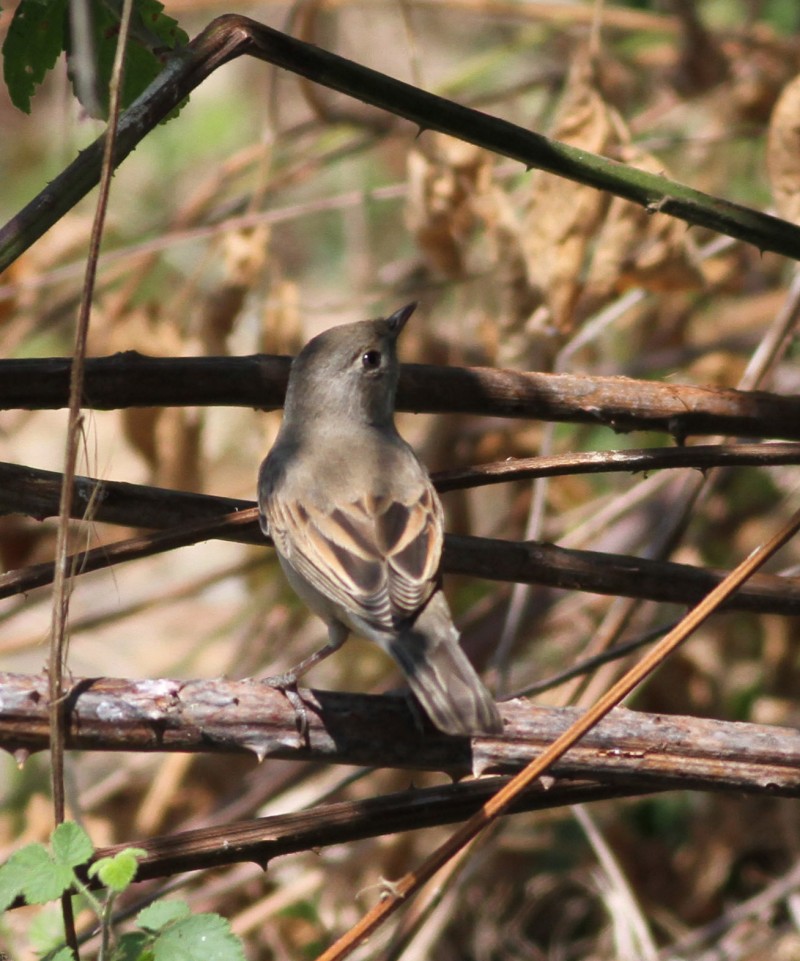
(269, 210)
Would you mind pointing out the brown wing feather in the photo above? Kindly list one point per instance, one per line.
(377, 558)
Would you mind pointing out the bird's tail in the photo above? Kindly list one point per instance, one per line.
(441, 676)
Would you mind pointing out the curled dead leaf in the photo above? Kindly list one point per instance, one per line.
(783, 151)
(636, 248)
(244, 259)
(446, 177)
(563, 216)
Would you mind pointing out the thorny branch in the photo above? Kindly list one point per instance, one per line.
(191, 518)
(232, 36)
(643, 751)
(622, 403)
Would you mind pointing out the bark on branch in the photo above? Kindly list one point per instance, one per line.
(645, 751)
(621, 403)
(262, 839)
(191, 518)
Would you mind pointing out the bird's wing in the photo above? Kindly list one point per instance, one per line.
(376, 557)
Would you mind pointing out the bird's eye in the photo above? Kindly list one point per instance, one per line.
(371, 359)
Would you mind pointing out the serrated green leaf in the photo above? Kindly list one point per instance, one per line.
(9, 890)
(13, 875)
(40, 879)
(50, 883)
(33, 43)
(201, 936)
(133, 946)
(117, 872)
(152, 38)
(71, 844)
(158, 915)
(155, 29)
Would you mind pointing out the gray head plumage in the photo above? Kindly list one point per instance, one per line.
(350, 371)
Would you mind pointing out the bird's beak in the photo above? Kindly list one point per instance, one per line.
(398, 319)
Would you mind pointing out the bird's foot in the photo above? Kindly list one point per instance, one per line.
(287, 684)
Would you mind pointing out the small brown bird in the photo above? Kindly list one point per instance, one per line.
(357, 524)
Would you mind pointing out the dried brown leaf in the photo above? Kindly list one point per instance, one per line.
(169, 440)
(783, 151)
(563, 216)
(244, 261)
(281, 326)
(281, 333)
(702, 64)
(760, 65)
(179, 437)
(445, 176)
(23, 543)
(636, 248)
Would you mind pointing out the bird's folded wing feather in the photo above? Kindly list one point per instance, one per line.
(377, 557)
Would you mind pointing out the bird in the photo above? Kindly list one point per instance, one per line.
(358, 526)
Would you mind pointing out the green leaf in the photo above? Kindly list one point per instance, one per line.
(34, 42)
(46, 930)
(134, 946)
(47, 881)
(33, 873)
(154, 29)
(71, 844)
(201, 936)
(12, 880)
(152, 39)
(65, 954)
(162, 913)
(117, 872)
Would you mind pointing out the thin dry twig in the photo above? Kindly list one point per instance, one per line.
(630, 924)
(60, 611)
